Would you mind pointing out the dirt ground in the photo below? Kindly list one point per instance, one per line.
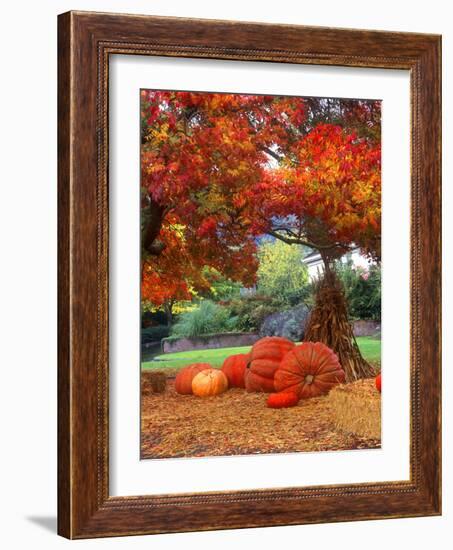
(236, 423)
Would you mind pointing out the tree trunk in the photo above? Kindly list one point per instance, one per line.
(168, 308)
(329, 323)
(155, 217)
(326, 261)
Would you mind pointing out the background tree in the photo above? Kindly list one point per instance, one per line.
(362, 290)
(281, 272)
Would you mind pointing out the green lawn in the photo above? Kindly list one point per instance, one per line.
(370, 348)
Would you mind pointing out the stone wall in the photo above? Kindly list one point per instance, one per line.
(209, 341)
(236, 339)
(366, 328)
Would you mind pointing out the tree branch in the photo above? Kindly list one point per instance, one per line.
(271, 153)
(297, 240)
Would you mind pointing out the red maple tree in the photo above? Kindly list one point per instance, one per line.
(220, 170)
(200, 153)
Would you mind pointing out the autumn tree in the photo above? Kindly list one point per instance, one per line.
(326, 195)
(220, 170)
(200, 153)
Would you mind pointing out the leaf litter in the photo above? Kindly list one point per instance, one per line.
(239, 423)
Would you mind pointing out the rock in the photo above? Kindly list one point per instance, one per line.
(289, 323)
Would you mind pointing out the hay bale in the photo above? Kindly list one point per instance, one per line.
(153, 381)
(356, 408)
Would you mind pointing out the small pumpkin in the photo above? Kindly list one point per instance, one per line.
(209, 382)
(234, 368)
(282, 400)
(309, 369)
(183, 380)
(378, 382)
(264, 360)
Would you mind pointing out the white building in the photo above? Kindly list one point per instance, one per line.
(315, 265)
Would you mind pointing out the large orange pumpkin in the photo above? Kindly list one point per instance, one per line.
(183, 381)
(209, 382)
(310, 369)
(282, 400)
(234, 367)
(264, 360)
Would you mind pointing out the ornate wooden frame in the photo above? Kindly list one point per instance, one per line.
(85, 41)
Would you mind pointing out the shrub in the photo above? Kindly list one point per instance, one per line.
(207, 318)
(151, 318)
(362, 290)
(154, 334)
(221, 288)
(250, 311)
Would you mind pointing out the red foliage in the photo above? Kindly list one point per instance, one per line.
(219, 170)
(328, 197)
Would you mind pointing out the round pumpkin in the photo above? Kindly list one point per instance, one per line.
(209, 382)
(309, 369)
(378, 382)
(282, 400)
(183, 380)
(234, 367)
(264, 360)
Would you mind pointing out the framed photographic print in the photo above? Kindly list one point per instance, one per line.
(249, 275)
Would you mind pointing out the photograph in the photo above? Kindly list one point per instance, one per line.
(260, 274)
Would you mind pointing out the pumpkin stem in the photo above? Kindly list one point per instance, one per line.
(309, 379)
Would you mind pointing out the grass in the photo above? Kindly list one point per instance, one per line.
(215, 357)
(370, 348)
